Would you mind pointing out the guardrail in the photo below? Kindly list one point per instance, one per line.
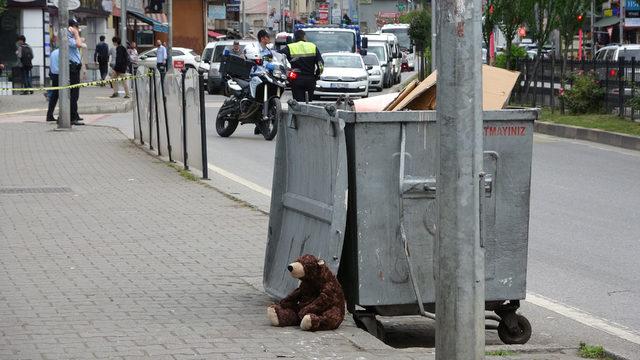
(169, 116)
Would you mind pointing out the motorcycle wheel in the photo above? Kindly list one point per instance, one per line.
(226, 123)
(269, 128)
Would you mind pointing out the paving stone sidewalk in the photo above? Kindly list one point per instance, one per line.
(107, 252)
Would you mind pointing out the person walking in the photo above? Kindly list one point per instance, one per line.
(306, 61)
(25, 57)
(161, 58)
(133, 57)
(120, 67)
(75, 66)
(101, 56)
(54, 70)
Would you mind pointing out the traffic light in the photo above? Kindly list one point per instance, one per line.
(580, 18)
(155, 6)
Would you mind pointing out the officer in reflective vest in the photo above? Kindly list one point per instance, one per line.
(306, 64)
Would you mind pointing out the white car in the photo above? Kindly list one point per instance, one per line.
(344, 73)
(375, 71)
(190, 57)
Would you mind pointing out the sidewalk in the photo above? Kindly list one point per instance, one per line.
(107, 252)
(93, 100)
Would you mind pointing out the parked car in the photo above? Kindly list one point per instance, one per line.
(204, 64)
(215, 83)
(344, 73)
(375, 71)
(611, 54)
(385, 46)
(190, 57)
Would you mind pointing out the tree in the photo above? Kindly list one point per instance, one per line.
(488, 22)
(420, 29)
(3, 6)
(510, 15)
(569, 21)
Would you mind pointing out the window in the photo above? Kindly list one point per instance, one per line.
(151, 53)
(610, 54)
(207, 54)
(371, 59)
(332, 41)
(380, 52)
(144, 38)
(629, 53)
(176, 53)
(350, 62)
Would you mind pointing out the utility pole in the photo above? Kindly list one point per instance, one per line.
(622, 22)
(123, 22)
(593, 35)
(458, 252)
(243, 19)
(434, 35)
(64, 117)
(170, 36)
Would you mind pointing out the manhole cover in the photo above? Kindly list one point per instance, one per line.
(35, 190)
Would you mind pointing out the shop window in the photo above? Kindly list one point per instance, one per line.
(144, 38)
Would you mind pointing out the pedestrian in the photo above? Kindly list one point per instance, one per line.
(54, 70)
(120, 67)
(306, 61)
(133, 57)
(161, 58)
(25, 57)
(75, 66)
(101, 56)
(346, 20)
(272, 21)
(112, 59)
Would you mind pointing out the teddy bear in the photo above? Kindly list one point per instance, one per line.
(317, 304)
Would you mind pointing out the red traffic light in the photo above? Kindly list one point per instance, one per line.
(580, 18)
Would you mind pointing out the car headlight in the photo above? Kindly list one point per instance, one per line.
(362, 78)
(277, 73)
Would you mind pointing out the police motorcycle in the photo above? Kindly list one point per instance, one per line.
(264, 109)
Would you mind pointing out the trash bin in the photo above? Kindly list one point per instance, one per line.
(346, 182)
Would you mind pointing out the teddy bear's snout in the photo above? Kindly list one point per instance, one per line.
(296, 269)
(290, 268)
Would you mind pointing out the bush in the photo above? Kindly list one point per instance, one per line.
(517, 52)
(585, 95)
(420, 29)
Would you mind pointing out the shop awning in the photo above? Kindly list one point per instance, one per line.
(216, 35)
(606, 21)
(158, 22)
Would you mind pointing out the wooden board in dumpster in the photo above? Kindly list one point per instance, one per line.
(497, 85)
(235, 66)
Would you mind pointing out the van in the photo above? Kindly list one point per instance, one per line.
(207, 53)
(385, 46)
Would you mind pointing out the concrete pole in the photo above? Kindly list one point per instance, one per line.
(64, 118)
(621, 22)
(123, 22)
(170, 36)
(243, 19)
(459, 256)
(434, 35)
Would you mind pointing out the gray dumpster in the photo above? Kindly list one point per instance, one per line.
(346, 183)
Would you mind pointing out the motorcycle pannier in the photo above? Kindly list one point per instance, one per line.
(236, 67)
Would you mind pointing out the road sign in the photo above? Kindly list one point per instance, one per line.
(178, 64)
(72, 4)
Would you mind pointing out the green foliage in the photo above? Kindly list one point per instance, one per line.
(420, 29)
(592, 352)
(517, 52)
(500, 353)
(585, 95)
(604, 122)
(3, 6)
(406, 18)
(634, 102)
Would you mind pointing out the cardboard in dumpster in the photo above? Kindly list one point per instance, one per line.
(374, 103)
(497, 85)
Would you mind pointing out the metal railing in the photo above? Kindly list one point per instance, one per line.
(169, 116)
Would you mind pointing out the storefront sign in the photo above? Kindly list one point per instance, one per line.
(632, 22)
(217, 12)
(323, 13)
(632, 5)
(233, 5)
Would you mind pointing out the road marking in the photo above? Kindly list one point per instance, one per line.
(583, 317)
(535, 299)
(240, 180)
(21, 112)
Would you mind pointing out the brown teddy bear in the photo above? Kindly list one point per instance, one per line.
(317, 304)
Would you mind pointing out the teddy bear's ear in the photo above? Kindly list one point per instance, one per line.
(320, 262)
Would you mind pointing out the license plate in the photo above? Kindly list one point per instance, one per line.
(339, 86)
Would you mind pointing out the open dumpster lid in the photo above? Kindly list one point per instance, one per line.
(309, 195)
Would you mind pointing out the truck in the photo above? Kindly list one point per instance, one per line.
(401, 31)
(334, 38)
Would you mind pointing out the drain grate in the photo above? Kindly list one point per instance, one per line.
(35, 190)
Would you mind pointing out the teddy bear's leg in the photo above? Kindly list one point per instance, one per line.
(280, 316)
(328, 320)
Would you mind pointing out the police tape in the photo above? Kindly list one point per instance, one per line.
(81, 85)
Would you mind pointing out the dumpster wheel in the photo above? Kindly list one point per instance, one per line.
(367, 321)
(514, 328)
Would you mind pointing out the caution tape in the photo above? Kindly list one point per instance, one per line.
(80, 85)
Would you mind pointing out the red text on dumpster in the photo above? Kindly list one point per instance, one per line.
(505, 131)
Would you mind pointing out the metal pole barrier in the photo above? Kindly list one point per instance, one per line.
(135, 86)
(185, 155)
(151, 87)
(543, 88)
(459, 254)
(123, 22)
(166, 118)
(633, 85)
(621, 86)
(203, 129)
(64, 115)
(553, 84)
(606, 86)
(155, 100)
(170, 36)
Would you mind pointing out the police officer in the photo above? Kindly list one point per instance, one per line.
(305, 59)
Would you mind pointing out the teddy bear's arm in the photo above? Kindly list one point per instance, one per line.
(291, 299)
(317, 306)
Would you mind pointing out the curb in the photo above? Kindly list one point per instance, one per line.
(579, 133)
(121, 107)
